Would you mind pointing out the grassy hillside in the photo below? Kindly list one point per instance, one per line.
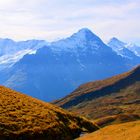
(125, 131)
(125, 101)
(116, 95)
(23, 117)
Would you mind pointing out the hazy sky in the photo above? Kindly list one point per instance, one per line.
(54, 19)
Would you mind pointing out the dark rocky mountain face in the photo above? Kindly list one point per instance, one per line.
(57, 69)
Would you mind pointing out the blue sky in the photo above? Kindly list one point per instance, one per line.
(54, 19)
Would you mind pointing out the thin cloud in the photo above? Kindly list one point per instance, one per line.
(44, 19)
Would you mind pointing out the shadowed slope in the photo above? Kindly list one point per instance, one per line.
(116, 95)
(23, 117)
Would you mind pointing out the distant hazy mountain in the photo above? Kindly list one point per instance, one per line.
(129, 51)
(11, 51)
(55, 70)
(134, 48)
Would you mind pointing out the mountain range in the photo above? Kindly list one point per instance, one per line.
(12, 51)
(57, 68)
(107, 93)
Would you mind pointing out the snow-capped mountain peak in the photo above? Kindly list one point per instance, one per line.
(114, 39)
(85, 30)
(121, 48)
(85, 34)
(12, 51)
(84, 39)
(116, 43)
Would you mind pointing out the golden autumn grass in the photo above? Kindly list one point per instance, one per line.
(23, 117)
(125, 131)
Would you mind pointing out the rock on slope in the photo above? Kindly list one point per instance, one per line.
(116, 95)
(23, 117)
